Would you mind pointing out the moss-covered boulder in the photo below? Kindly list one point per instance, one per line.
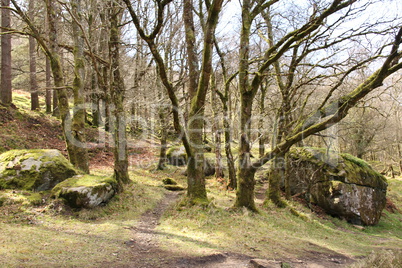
(343, 185)
(86, 191)
(36, 170)
(176, 156)
(171, 185)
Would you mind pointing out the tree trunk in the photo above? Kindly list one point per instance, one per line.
(53, 54)
(79, 157)
(103, 80)
(192, 54)
(162, 113)
(32, 74)
(226, 104)
(6, 87)
(117, 93)
(228, 150)
(216, 131)
(48, 87)
(246, 181)
(32, 64)
(246, 172)
(162, 152)
(261, 138)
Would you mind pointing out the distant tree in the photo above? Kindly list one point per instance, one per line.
(6, 87)
(32, 62)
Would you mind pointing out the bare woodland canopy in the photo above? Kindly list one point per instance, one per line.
(252, 73)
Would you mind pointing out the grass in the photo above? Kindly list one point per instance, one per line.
(275, 233)
(41, 236)
(38, 233)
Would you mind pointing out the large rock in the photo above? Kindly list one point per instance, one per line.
(209, 168)
(176, 156)
(86, 191)
(343, 185)
(37, 170)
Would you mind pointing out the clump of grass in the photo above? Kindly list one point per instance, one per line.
(381, 259)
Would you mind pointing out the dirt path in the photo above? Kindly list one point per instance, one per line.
(146, 252)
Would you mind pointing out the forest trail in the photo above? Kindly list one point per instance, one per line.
(146, 251)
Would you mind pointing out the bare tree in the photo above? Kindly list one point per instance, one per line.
(192, 139)
(325, 115)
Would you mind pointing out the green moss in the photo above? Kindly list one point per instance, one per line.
(355, 160)
(17, 174)
(84, 180)
(169, 181)
(342, 166)
(2, 200)
(171, 187)
(35, 199)
(177, 151)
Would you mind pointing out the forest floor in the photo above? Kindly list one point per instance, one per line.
(146, 249)
(148, 226)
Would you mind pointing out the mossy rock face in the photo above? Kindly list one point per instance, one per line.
(176, 156)
(209, 168)
(36, 170)
(86, 191)
(169, 181)
(343, 185)
(171, 185)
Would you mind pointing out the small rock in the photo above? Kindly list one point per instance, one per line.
(261, 263)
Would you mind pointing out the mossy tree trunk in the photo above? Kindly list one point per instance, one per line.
(58, 77)
(246, 181)
(117, 93)
(225, 98)
(51, 49)
(249, 84)
(192, 135)
(79, 157)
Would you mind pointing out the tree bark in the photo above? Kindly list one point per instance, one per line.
(79, 158)
(48, 98)
(245, 189)
(6, 87)
(117, 93)
(32, 64)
